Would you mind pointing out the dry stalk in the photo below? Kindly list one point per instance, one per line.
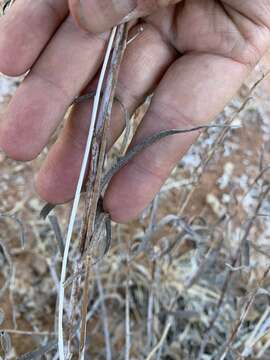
(84, 309)
(104, 316)
(77, 198)
(127, 315)
(162, 340)
(73, 304)
(98, 153)
(58, 233)
(99, 143)
(151, 297)
(9, 276)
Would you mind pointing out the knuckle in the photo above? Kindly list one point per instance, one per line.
(9, 64)
(15, 148)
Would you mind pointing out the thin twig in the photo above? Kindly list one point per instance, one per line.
(73, 304)
(104, 316)
(84, 310)
(58, 233)
(29, 333)
(150, 309)
(11, 267)
(152, 139)
(127, 313)
(161, 341)
(98, 153)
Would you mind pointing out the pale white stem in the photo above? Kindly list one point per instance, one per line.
(77, 196)
(161, 341)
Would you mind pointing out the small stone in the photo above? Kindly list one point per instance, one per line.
(226, 198)
(34, 204)
(216, 206)
(39, 266)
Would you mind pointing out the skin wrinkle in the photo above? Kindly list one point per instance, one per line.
(56, 85)
(260, 18)
(245, 37)
(238, 47)
(228, 33)
(54, 10)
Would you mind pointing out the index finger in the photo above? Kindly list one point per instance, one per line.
(25, 30)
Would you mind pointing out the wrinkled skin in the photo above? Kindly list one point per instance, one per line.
(193, 54)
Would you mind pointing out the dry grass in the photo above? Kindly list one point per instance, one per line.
(188, 280)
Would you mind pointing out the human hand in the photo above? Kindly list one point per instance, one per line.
(193, 54)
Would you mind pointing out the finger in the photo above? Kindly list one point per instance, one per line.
(25, 30)
(193, 91)
(71, 59)
(57, 179)
(145, 61)
(101, 15)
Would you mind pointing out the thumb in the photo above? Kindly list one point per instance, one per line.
(101, 15)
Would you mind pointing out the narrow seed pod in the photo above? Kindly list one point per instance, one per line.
(5, 341)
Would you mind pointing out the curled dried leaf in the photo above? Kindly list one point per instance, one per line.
(7, 4)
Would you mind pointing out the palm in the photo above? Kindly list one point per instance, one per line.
(212, 26)
(193, 55)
